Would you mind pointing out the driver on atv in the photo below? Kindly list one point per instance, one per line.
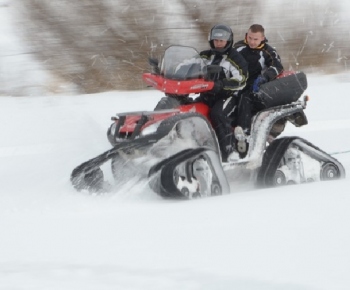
(229, 71)
(233, 77)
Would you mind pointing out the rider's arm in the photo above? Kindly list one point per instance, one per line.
(239, 70)
(273, 63)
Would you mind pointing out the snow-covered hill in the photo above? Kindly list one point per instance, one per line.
(52, 237)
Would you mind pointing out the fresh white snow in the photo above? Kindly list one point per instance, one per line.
(52, 237)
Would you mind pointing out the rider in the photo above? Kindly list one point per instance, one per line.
(233, 76)
(264, 65)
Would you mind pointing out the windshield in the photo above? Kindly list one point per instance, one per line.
(182, 63)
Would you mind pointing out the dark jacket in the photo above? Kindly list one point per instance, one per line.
(235, 67)
(262, 60)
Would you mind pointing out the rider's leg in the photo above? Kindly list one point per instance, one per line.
(220, 118)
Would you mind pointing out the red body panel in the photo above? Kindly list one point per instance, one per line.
(133, 118)
(285, 73)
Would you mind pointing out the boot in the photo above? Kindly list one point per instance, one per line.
(241, 138)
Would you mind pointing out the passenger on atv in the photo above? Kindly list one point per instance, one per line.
(264, 65)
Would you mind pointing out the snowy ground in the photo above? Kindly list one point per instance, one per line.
(52, 237)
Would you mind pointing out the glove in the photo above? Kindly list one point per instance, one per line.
(258, 82)
(218, 86)
(205, 98)
(201, 99)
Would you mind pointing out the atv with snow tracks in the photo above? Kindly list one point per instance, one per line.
(175, 150)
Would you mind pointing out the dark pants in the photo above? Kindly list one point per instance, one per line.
(221, 117)
(248, 106)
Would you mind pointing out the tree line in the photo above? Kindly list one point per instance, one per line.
(102, 45)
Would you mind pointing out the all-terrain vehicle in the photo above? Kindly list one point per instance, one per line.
(174, 148)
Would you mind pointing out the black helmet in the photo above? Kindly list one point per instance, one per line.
(223, 32)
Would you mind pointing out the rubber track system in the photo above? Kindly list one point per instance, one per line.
(207, 179)
(89, 176)
(275, 152)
